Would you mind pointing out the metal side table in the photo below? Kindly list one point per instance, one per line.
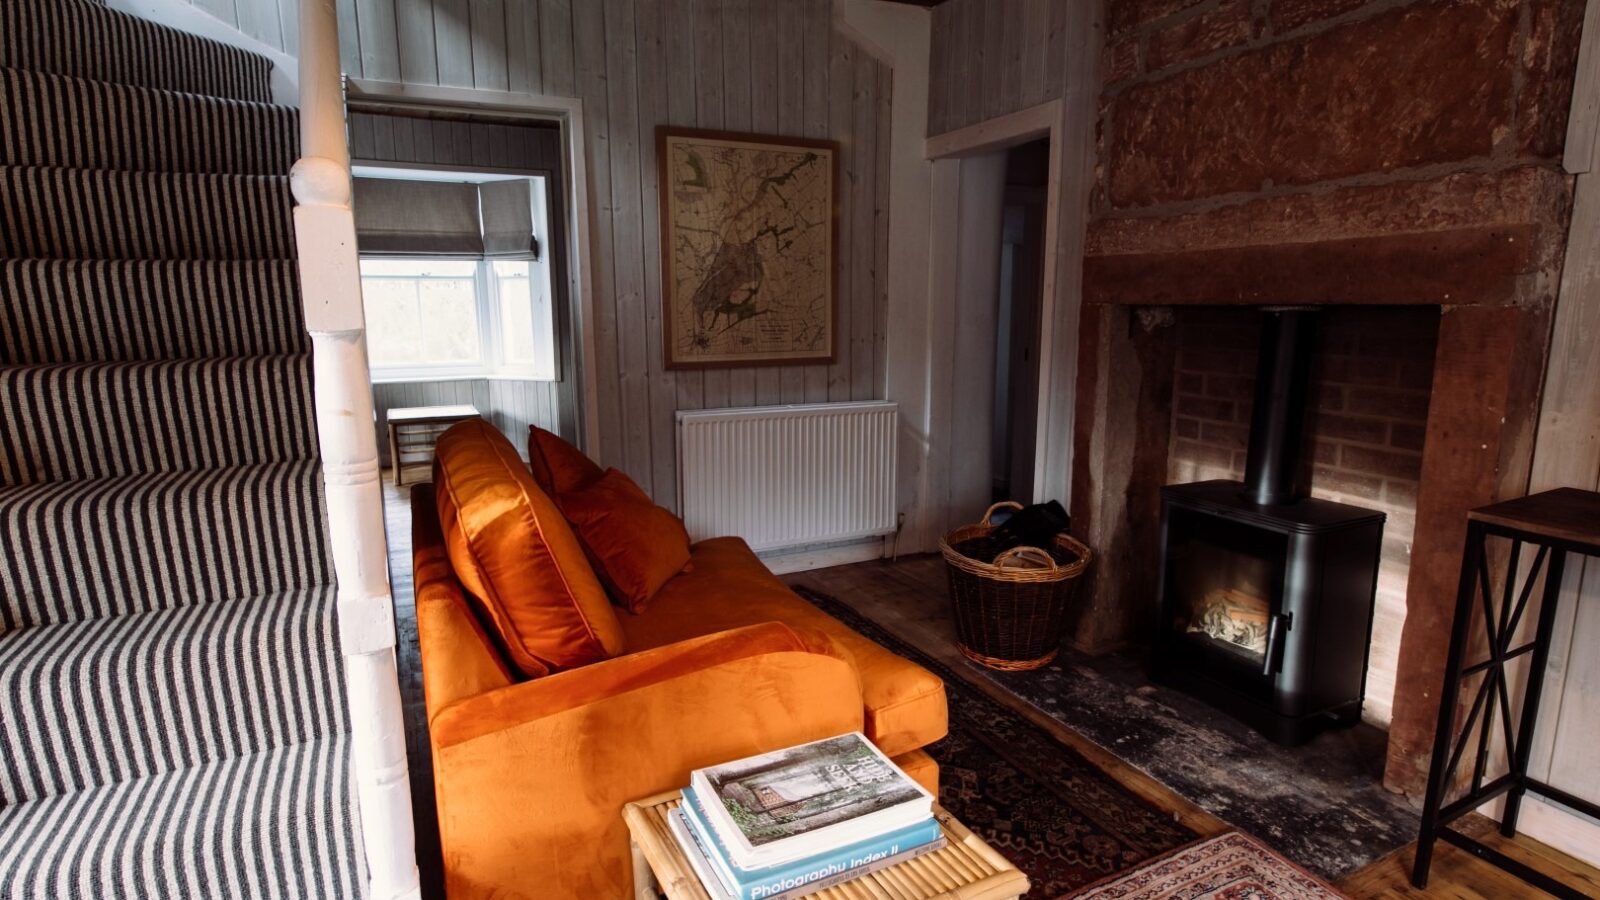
(1556, 523)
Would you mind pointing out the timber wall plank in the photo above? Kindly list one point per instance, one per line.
(769, 66)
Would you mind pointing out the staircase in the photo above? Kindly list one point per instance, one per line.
(172, 716)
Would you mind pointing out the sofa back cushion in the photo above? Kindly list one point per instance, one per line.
(557, 466)
(512, 550)
(635, 545)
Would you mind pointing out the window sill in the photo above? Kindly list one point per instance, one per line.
(423, 376)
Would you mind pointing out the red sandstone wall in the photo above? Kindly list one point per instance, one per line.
(1372, 376)
(1375, 152)
(1418, 136)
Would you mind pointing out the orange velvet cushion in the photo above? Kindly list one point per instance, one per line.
(636, 546)
(511, 548)
(558, 466)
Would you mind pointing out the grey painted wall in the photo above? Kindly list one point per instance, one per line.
(510, 404)
(275, 23)
(767, 66)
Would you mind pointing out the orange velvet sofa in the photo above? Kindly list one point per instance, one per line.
(531, 774)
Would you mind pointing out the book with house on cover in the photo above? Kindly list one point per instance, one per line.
(819, 880)
(761, 884)
(790, 804)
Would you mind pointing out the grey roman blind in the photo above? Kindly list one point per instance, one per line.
(431, 218)
(507, 208)
(401, 217)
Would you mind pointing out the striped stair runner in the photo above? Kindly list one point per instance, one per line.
(62, 311)
(172, 719)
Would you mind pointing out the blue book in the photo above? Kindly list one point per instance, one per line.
(775, 881)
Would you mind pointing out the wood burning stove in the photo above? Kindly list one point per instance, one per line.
(1266, 594)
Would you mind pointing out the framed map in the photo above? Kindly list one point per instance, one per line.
(749, 236)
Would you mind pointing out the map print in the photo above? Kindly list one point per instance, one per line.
(748, 234)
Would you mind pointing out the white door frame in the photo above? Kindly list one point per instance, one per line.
(1042, 121)
(568, 112)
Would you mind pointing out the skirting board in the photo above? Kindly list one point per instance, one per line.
(1572, 833)
(804, 559)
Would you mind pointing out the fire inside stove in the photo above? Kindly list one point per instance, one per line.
(1224, 597)
(1235, 617)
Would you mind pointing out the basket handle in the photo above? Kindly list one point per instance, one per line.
(1003, 504)
(1022, 553)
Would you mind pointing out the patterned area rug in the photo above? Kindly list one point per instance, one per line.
(1227, 867)
(1038, 801)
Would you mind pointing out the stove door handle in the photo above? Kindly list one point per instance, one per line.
(1275, 626)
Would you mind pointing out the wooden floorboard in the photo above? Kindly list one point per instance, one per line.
(908, 597)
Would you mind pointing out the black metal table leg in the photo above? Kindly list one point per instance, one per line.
(1440, 770)
(1535, 689)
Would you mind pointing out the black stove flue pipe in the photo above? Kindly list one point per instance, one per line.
(1277, 422)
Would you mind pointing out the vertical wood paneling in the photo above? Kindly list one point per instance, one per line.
(1035, 21)
(841, 116)
(523, 47)
(652, 34)
(993, 57)
(766, 66)
(764, 98)
(510, 405)
(589, 57)
(633, 361)
(380, 45)
(817, 27)
(419, 63)
(489, 37)
(683, 104)
(709, 104)
(884, 124)
(792, 85)
(939, 70)
(736, 117)
(864, 201)
(555, 47)
(349, 36)
(452, 36)
(977, 63)
(260, 20)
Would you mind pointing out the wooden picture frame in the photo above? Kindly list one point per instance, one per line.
(749, 249)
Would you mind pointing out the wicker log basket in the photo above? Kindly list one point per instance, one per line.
(1011, 613)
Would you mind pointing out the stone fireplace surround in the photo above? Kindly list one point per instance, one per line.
(1485, 255)
(1371, 376)
(1343, 153)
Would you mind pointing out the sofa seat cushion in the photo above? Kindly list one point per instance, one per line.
(514, 552)
(727, 587)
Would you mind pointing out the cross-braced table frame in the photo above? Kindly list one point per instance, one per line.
(1491, 704)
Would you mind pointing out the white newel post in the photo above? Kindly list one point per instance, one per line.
(331, 287)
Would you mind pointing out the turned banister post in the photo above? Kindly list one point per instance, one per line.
(330, 281)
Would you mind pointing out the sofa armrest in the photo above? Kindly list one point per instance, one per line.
(531, 779)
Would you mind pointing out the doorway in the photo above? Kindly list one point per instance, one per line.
(1014, 436)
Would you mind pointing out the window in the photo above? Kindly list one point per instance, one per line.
(422, 314)
(485, 312)
(441, 318)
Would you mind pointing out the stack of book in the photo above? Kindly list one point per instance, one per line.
(793, 822)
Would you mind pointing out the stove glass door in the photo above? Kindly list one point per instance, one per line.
(1224, 589)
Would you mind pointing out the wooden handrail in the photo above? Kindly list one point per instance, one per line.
(330, 283)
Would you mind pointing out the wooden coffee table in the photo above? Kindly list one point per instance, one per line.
(965, 869)
(413, 430)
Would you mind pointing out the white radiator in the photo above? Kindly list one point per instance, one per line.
(788, 476)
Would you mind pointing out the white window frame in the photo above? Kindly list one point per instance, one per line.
(486, 294)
